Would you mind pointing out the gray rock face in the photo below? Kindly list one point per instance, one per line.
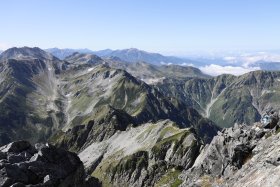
(263, 169)
(148, 168)
(22, 164)
(239, 156)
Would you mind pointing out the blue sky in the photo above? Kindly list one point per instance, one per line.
(174, 26)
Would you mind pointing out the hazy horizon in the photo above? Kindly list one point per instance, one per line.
(190, 54)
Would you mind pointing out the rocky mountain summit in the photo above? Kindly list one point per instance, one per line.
(239, 156)
(161, 154)
(22, 164)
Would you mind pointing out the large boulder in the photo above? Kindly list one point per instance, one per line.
(22, 164)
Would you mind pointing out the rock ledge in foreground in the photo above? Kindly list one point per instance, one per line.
(22, 164)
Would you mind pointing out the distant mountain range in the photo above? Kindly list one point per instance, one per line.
(136, 55)
(269, 66)
(62, 53)
(148, 73)
(235, 65)
(128, 55)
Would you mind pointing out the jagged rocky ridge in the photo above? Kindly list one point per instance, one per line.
(140, 69)
(239, 156)
(225, 99)
(131, 133)
(90, 104)
(150, 155)
(22, 164)
(161, 154)
(41, 95)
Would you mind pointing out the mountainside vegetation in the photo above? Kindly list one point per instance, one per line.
(135, 123)
(41, 95)
(227, 99)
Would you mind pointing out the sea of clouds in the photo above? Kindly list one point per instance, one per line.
(240, 64)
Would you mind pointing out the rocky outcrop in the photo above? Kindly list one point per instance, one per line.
(22, 164)
(143, 156)
(81, 136)
(238, 156)
(147, 168)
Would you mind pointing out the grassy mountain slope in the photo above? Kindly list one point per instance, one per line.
(41, 95)
(28, 82)
(145, 155)
(142, 70)
(227, 99)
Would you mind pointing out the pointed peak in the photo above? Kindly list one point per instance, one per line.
(25, 53)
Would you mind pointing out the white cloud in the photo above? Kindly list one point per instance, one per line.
(248, 60)
(215, 70)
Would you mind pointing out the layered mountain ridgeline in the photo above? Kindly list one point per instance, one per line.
(147, 72)
(129, 55)
(130, 133)
(76, 59)
(63, 53)
(91, 93)
(85, 106)
(227, 99)
(40, 95)
(152, 74)
(267, 65)
(136, 55)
